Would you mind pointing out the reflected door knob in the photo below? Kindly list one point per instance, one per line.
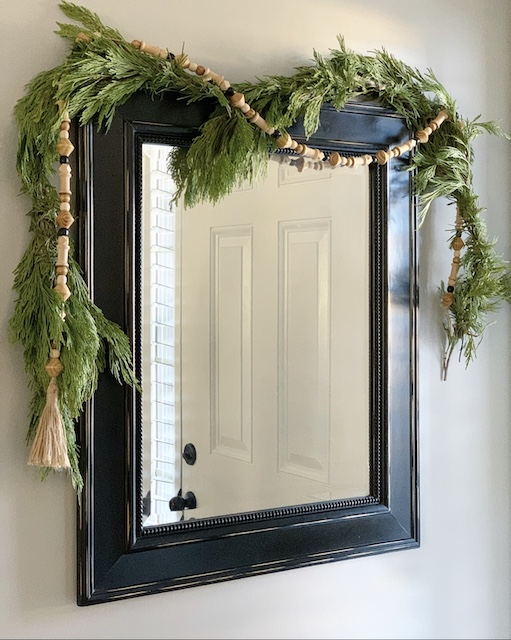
(179, 503)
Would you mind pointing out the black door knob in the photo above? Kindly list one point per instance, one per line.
(179, 503)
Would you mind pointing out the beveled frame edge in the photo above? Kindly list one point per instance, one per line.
(95, 588)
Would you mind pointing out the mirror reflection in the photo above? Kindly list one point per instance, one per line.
(254, 335)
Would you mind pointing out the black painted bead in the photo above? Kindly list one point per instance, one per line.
(229, 92)
(64, 160)
(450, 289)
(458, 233)
(170, 56)
(63, 231)
(276, 134)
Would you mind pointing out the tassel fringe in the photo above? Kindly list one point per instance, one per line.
(49, 448)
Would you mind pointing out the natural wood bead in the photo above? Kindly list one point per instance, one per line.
(382, 157)
(367, 159)
(350, 162)
(250, 113)
(62, 270)
(456, 260)
(64, 197)
(65, 220)
(237, 100)
(54, 367)
(403, 148)
(192, 67)
(54, 353)
(455, 267)
(64, 147)
(245, 108)
(65, 206)
(335, 159)
(317, 155)
(182, 60)
(256, 117)
(64, 133)
(441, 117)
(152, 49)
(284, 141)
(65, 125)
(63, 241)
(457, 244)
(422, 136)
(65, 178)
(200, 71)
(447, 299)
(224, 85)
(62, 289)
(217, 79)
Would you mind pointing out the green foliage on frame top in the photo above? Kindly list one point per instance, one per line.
(101, 72)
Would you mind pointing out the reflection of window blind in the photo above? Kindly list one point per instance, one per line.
(161, 280)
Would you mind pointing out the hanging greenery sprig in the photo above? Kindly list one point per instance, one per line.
(101, 72)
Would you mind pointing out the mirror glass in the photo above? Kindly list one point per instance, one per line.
(254, 334)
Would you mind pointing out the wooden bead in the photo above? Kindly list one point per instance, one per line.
(64, 178)
(457, 244)
(62, 289)
(65, 206)
(335, 159)
(151, 49)
(237, 100)
(62, 270)
(54, 367)
(182, 60)
(382, 157)
(350, 162)
(441, 117)
(64, 197)
(422, 136)
(217, 79)
(447, 299)
(224, 85)
(65, 219)
(284, 141)
(54, 353)
(200, 70)
(64, 147)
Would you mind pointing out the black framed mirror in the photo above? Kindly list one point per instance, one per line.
(321, 382)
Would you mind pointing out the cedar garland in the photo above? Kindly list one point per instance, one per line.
(102, 70)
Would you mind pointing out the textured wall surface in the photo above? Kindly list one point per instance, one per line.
(457, 584)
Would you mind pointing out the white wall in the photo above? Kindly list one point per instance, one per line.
(457, 584)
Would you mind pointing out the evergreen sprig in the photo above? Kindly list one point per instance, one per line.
(101, 72)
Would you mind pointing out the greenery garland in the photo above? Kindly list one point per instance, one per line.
(102, 70)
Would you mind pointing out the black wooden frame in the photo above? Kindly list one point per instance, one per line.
(117, 557)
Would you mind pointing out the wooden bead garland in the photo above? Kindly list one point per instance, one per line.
(284, 141)
(457, 245)
(49, 448)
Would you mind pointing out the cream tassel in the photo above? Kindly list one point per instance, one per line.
(49, 448)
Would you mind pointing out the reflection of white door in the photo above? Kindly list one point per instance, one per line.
(274, 342)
